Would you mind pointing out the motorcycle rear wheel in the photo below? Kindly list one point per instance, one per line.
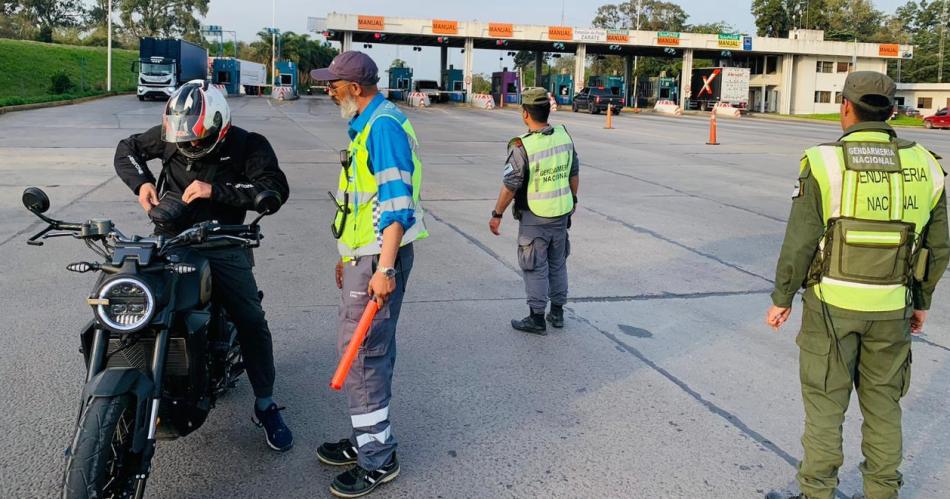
(101, 463)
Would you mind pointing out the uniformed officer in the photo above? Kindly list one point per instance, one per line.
(867, 237)
(379, 216)
(541, 177)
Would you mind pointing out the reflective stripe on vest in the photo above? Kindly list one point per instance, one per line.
(917, 190)
(361, 235)
(550, 158)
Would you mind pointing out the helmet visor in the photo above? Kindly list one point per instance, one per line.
(178, 128)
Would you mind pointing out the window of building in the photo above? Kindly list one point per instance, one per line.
(844, 67)
(822, 97)
(925, 102)
(826, 67)
(771, 64)
(837, 97)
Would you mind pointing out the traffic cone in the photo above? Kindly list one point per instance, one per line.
(712, 130)
(610, 121)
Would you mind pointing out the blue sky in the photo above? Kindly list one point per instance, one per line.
(247, 17)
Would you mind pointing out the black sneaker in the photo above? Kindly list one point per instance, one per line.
(782, 495)
(340, 453)
(556, 316)
(276, 433)
(533, 324)
(357, 482)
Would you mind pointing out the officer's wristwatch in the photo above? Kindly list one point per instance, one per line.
(389, 272)
(495, 214)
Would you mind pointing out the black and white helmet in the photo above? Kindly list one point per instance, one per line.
(197, 118)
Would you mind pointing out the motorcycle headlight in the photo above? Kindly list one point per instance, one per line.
(125, 304)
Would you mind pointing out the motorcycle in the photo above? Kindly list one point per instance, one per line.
(158, 352)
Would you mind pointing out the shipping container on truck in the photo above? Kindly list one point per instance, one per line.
(711, 86)
(164, 65)
(239, 76)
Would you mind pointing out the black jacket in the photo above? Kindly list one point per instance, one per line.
(240, 168)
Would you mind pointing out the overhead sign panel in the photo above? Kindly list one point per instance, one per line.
(668, 38)
(888, 50)
(618, 36)
(371, 23)
(590, 35)
(562, 33)
(444, 27)
(730, 41)
(501, 30)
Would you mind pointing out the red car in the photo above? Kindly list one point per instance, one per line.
(939, 120)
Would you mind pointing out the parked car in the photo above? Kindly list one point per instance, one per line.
(596, 99)
(939, 120)
(911, 112)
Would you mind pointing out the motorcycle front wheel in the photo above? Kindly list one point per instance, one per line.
(101, 463)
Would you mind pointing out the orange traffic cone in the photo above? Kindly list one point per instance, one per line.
(610, 121)
(712, 130)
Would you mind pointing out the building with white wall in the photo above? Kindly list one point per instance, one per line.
(928, 98)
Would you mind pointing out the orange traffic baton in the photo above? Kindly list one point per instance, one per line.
(366, 321)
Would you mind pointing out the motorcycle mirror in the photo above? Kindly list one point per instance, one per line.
(267, 203)
(35, 200)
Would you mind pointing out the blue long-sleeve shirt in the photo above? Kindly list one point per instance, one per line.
(390, 160)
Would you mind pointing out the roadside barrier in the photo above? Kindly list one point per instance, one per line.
(284, 93)
(483, 101)
(418, 99)
(726, 109)
(668, 107)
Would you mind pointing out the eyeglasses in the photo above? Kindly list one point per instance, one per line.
(342, 209)
(332, 89)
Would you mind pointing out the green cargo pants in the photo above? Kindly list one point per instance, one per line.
(874, 357)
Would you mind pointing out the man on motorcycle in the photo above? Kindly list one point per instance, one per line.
(213, 171)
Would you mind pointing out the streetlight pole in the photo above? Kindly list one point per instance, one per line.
(636, 63)
(109, 51)
(943, 36)
(273, 46)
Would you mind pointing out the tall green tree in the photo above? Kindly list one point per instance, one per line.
(655, 15)
(47, 15)
(920, 24)
(163, 18)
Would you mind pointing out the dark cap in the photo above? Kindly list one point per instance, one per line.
(860, 85)
(350, 66)
(533, 96)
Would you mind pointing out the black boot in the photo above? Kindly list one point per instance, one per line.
(533, 324)
(556, 316)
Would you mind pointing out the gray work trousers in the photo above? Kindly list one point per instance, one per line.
(542, 256)
(368, 385)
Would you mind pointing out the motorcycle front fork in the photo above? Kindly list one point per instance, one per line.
(97, 361)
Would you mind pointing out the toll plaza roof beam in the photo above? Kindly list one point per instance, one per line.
(534, 37)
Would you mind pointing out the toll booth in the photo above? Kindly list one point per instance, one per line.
(668, 89)
(227, 72)
(453, 83)
(561, 87)
(285, 81)
(400, 83)
(506, 87)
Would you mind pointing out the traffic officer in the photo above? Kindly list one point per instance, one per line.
(541, 177)
(378, 218)
(867, 237)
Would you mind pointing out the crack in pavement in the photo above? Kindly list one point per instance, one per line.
(661, 237)
(474, 241)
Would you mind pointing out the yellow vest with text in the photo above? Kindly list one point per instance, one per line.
(361, 235)
(550, 158)
(871, 195)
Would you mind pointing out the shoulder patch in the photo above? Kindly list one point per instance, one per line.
(508, 169)
(798, 191)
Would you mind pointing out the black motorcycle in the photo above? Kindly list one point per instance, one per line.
(158, 352)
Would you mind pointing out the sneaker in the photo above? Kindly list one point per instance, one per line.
(533, 324)
(357, 482)
(782, 495)
(276, 433)
(340, 453)
(556, 317)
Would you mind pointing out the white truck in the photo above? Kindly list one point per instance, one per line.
(430, 88)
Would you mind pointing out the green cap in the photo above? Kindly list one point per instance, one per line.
(862, 84)
(533, 96)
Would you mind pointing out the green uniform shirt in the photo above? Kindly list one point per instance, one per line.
(805, 228)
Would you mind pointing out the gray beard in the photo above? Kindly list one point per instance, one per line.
(348, 108)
